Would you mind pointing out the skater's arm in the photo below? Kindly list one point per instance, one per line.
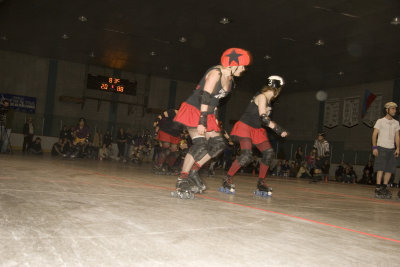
(261, 101)
(374, 138)
(211, 81)
(397, 144)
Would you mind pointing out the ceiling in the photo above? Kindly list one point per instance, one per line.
(359, 39)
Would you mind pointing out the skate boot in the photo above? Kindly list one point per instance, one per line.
(262, 189)
(227, 186)
(382, 192)
(194, 179)
(184, 190)
(385, 192)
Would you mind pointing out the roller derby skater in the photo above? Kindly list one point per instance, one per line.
(384, 138)
(198, 113)
(168, 134)
(250, 131)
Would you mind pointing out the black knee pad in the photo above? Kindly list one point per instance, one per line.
(267, 156)
(215, 146)
(199, 148)
(245, 158)
(165, 151)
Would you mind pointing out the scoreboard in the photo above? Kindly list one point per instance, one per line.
(111, 84)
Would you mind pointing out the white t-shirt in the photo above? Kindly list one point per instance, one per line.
(387, 132)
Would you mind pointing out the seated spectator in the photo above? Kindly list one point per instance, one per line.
(339, 172)
(369, 167)
(303, 172)
(58, 148)
(349, 176)
(107, 138)
(294, 169)
(36, 147)
(311, 160)
(285, 168)
(104, 153)
(367, 177)
(278, 169)
(325, 169)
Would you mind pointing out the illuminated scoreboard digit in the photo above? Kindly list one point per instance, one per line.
(111, 84)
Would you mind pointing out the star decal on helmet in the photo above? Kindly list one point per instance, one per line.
(233, 56)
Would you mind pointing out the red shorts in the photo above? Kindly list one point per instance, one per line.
(166, 137)
(257, 135)
(189, 116)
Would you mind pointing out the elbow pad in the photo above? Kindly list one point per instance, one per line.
(205, 98)
(265, 119)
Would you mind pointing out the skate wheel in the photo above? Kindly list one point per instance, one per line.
(173, 194)
(191, 196)
(221, 189)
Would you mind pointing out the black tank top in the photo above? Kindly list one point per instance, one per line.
(217, 94)
(168, 124)
(251, 115)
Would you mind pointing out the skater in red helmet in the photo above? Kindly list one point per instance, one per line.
(198, 114)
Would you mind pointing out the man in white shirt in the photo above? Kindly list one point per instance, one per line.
(384, 139)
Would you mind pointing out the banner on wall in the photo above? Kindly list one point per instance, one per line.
(20, 103)
(374, 112)
(331, 113)
(351, 111)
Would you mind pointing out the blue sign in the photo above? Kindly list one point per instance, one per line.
(21, 103)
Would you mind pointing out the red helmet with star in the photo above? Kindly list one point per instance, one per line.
(235, 57)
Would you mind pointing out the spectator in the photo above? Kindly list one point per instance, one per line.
(107, 139)
(311, 159)
(294, 169)
(121, 142)
(278, 169)
(81, 132)
(303, 171)
(299, 155)
(65, 133)
(129, 139)
(104, 152)
(370, 167)
(96, 139)
(348, 175)
(340, 171)
(58, 148)
(6, 120)
(28, 132)
(36, 147)
(325, 169)
(367, 177)
(285, 168)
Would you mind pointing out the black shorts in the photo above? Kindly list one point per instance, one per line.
(386, 160)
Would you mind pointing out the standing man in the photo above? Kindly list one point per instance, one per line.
(323, 152)
(384, 138)
(6, 119)
(28, 132)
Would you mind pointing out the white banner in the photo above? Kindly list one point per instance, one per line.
(331, 113)
(351, 111)
(374, 112)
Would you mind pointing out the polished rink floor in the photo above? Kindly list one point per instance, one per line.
(56, 212)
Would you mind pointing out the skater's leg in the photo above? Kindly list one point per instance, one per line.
(173, 155)
(245, 156)
(266, 160)
(196, 151)
(379, 175)
(386, 177)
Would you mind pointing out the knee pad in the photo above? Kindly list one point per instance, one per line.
(215, 146)
(267, 156)
(199, 148)
(245, 158)
(165, 151)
